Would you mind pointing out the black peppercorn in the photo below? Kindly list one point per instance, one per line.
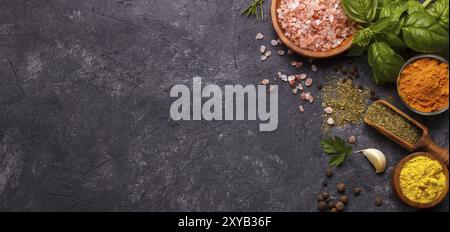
(331, 204)
(357, 191)
(341, 187)
(340, 206)
(344, 199)
(378, 201)
(322, 205)
(329, 173)
(320, 198)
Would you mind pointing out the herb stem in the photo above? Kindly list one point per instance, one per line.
(256, 8)
(426, 3)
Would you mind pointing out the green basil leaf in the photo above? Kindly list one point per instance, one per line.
(439, 10)
(397, 28)
(394, 10)
(385, 63)
(414, 6)
(392, 39)
(382, 24)
(422, 33)
(361, 11)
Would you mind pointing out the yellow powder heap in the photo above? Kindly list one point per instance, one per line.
(422, 179)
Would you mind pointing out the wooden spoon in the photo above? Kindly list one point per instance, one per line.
(425, 143)
(346, 44)
(396, 183)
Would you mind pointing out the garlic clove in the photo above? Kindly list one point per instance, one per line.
(377, 158)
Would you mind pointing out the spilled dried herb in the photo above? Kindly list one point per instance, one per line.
(347, 101)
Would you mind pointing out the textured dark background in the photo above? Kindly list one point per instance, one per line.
(84, 114)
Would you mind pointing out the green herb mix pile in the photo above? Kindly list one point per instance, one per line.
(390, 26)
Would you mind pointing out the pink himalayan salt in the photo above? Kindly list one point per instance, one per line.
(316, 25)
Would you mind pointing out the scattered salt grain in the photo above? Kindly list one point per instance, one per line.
(265, 82)
(284, 78)
(290, 52)
(280, 42)
(301, 108)
(259, 36)
(308, 82)
(281, 52)
(314, 68)
(328, 110)
(263, 57)
(303, 76)
(262, 49)
(303, 96)
(274, 42)
(300, 86)
(330, 121)
(294, 63)
(291, 80)
(352, 140)
(309, 97)
(295, 91)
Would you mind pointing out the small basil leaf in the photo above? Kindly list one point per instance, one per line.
(414, 6)
(361, 11)
(440, 10)
(392, 39)
(385, 63)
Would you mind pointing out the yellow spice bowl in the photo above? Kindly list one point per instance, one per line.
(396, 182)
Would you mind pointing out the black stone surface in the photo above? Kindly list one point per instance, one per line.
(85, 125)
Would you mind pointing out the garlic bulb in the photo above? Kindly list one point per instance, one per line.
(377, 159)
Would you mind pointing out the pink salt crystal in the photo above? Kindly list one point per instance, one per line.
(299, 65)
(308, 82)
(290, 52)
(303, 96)
(316, 25)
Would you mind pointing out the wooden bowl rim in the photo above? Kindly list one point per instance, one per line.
(346, 44)
(402, 197)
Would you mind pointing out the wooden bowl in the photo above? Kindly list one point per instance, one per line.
(399, 193)
(346, 44)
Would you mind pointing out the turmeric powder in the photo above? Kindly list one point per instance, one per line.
(422, 179)
(424, 85)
